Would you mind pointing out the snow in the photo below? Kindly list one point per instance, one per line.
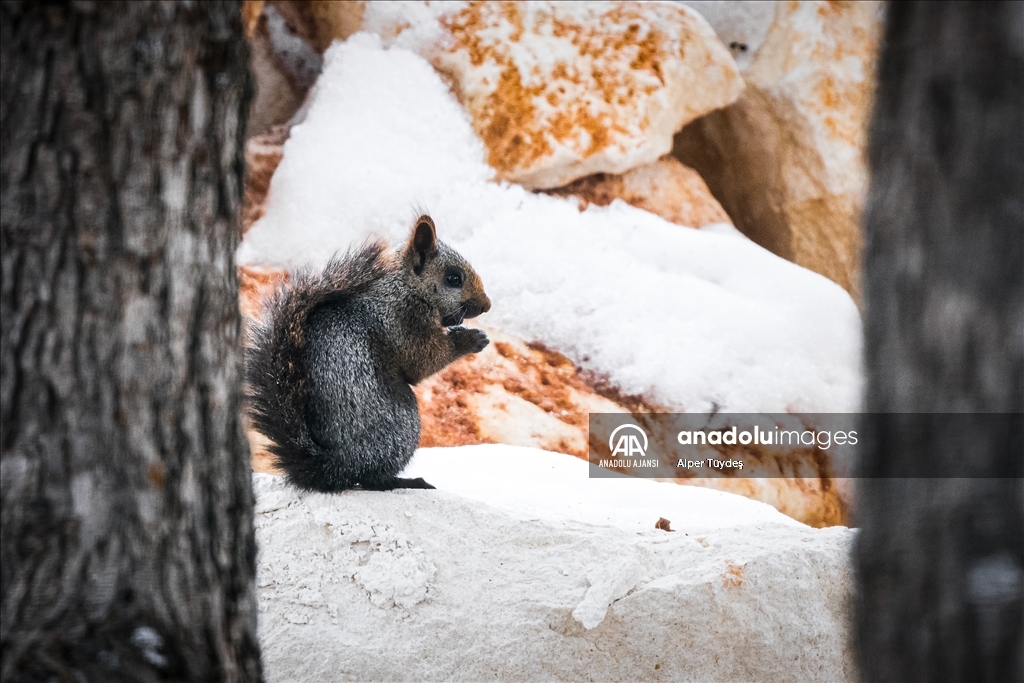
(556, 576)
(557, 487)
(693, 320)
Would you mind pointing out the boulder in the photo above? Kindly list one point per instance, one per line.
(513, 393)
(787, 160)
(666, 188)
(262, 155)
(284, 65)
(556, 577)
(321, 22)
(558, 91)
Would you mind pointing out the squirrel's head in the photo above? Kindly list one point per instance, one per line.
(442, 276)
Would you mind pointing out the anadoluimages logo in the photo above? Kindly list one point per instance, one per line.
(628, 444)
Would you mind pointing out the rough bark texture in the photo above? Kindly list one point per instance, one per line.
(128, 550)
(941, 561)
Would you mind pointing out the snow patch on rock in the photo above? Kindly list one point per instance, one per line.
(553, 486)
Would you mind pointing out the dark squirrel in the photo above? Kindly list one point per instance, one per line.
(329, 367)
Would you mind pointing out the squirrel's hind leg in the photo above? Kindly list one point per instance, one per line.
(396, 483)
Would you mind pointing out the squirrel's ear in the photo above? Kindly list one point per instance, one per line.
(422, 243)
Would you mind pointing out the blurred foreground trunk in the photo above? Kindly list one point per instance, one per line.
(940, 562)
(127, 548)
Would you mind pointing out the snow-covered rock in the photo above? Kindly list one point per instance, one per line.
(787, 160)
(690, 319)
(520, 567)
(558, 91)
(666, 188)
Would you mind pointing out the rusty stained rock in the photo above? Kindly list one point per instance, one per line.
(558, 91)
(262, 155)
(666, 188)
(787, 160)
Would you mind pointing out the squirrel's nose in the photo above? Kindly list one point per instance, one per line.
(476, 307)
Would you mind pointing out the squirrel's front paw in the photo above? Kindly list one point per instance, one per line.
(468, 340)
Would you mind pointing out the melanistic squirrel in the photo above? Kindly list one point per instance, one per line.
(329, 368)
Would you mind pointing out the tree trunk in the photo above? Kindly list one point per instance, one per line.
(127, 549)
(940, 561)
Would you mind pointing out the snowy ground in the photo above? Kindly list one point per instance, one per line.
(532, 571)
(694, 320)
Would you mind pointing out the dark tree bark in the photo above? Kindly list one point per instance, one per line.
(940, 561)
(127, 549)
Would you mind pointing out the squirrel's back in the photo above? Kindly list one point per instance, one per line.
(277, 369)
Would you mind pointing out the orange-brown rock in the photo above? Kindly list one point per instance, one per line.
(259, 447)
(558, 91)
(251, 11)
(254, 285)
(262, 155)
(320, 22)
(511, 393)
(787, 160)
(667, 188)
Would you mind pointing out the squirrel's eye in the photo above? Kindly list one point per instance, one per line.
(454, 279)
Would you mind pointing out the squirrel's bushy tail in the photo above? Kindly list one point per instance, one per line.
(275, 370)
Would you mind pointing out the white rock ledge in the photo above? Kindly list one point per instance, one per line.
(546, 583)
